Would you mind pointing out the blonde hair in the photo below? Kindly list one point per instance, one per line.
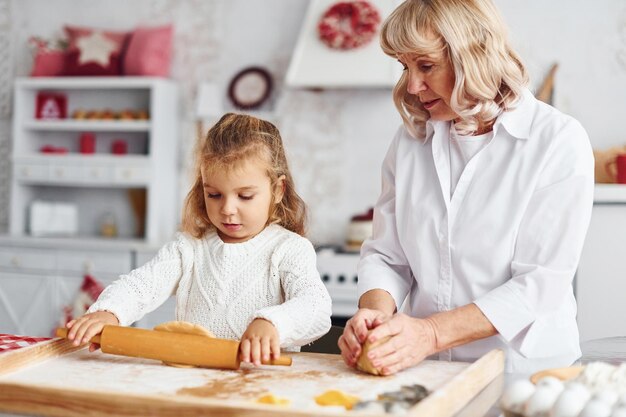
(234, 139)
(489, 75)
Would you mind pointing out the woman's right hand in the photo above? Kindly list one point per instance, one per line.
(356, 331)
(84, 328)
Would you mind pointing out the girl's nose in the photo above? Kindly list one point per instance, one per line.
(229, 207)
(415, 83)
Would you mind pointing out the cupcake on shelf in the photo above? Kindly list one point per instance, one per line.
(359, 229)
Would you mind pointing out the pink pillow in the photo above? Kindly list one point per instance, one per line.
(94, 52)
(149, 51)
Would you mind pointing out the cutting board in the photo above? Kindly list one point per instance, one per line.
(54, 379)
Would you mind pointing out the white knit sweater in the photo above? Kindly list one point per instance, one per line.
(223, 286)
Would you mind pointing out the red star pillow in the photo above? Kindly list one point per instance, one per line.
(94, 52)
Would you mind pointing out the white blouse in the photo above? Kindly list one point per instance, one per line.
(508, 240)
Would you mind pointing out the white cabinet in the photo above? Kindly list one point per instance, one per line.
(133, 188)
(38, 277)
(27, 305)
(601, 276)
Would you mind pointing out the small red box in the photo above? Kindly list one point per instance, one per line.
(51, 106)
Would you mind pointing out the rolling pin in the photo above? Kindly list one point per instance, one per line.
(187, 349)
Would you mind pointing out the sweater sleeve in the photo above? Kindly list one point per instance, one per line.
(144, 289)
(305, 314)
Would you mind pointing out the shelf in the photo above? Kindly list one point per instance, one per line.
(89, 125)
(84, 242)
(104, 83)
(83, 170)
(609, 194)
(78, 158)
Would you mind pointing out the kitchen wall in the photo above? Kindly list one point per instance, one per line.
(335, 139)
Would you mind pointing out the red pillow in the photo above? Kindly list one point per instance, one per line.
(94, 52)
(149, 51)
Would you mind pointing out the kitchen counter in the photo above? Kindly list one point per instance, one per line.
(609, 194)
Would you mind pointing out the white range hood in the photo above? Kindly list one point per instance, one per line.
(315, 65)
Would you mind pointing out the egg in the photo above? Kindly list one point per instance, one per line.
(516, 394)
(542, 400)
(596, 408)
(619, 412)
(551, 382)
(607, 396)
(578, 386)
(570, 402)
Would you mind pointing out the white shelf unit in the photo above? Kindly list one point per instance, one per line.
(98, 183)
(39, 276)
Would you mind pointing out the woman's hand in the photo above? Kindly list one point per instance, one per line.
(411, 341)
(84, 328)
(260, 342)
(356, 331)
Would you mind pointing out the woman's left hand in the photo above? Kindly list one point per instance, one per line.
(259, 342)
(411, 340)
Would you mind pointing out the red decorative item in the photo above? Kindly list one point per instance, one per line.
(348, 24)
(119, 147)
(617, 168)
(48, 60)
(10, 342)
(48, 64)
(94, 52)
(149, 51)
(51, 106)
(87, 143)
(53, 149)
(89, 292)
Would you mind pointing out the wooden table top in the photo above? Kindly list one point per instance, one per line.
(68, 384)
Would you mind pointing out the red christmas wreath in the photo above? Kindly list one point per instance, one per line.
(348, 24)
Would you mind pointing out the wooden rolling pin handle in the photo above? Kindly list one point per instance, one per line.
(62, 332)
(282, 361)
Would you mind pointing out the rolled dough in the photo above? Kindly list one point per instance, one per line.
(185, 328)
(337, 397)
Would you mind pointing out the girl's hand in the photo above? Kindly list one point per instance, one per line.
(84, 328)
(260, 342)
(411, 341)
(356, 331)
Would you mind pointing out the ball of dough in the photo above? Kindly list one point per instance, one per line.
(185, 328)
(363, 363)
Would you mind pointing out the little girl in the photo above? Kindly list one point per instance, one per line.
(241, 267)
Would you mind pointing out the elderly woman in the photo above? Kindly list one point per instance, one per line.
(485, 203)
